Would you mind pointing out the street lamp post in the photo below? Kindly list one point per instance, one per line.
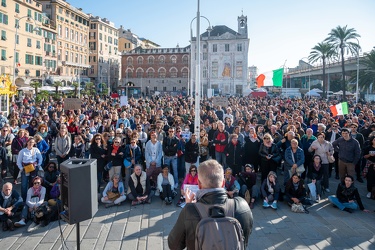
(198, 68)
(309, 73)
(356, 92)
(109, 76)
(15, 46)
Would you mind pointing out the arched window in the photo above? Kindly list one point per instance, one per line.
(185, 72)
(151, 60)
(139, 73)
(174, 59)
(150, 73)
(130, 61)
(173, 71)
(140, 60)
(185, 59)
(161, 59)
(162, 73)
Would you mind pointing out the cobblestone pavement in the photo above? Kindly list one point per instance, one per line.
(147, 227)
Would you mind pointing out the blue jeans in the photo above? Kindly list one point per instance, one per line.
(168, 160)
(221, 158)
(341, 205)
(24, 184)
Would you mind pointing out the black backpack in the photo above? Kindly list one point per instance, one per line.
(218, 232)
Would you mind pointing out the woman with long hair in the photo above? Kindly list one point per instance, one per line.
(62, 145)
(98, 152)
(270, 156)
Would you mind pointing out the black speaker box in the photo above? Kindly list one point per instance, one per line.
(79, 190)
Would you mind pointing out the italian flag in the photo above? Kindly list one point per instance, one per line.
(271, 78)
(339, 109)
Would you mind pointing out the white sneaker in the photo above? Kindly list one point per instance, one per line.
(176, 186)
(21, 223)
(368, 195)
(33, 227)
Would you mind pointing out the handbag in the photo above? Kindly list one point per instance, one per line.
(127, 163)
(29, 168)
(112, 196)
(331, 159)
(108, 166)
(300, 169)
(298, 208)
(179, 153)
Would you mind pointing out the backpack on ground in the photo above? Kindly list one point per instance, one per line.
(218, 231)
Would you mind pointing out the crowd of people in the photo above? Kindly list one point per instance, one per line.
(148, 148)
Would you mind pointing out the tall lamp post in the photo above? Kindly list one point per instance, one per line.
(36, 29)
(356, 92)
(309, 72)
(197, 97)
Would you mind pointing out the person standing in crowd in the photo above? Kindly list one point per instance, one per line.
(62, 145)
(203, 146)
(115, 155)
(251, 149)
(220, 141)
(191, 152)
(333, 133)
(170, 144)
(270, 156)
(349, 153)
(211, 191)
(98, 152)
(234, 153)
(369, 169)
(361, 140)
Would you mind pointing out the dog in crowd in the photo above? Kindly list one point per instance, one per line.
(43, 215)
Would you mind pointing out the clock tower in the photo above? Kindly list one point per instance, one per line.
(242, 25)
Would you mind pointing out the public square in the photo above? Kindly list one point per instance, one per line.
(147, 227)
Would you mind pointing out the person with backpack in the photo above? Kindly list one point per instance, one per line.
(210, 214)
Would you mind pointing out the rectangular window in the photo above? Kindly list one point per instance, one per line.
(38, 44)
(29, 13)
(3, 55)
(3, 18)
(37, 73)
(226, 47)
(3, 35)
(214, 47)
(29, 59)
(38, 60)
(239, 47)
(164, 88)
(204, 55)
(174, 88)
(17, 8)
(155, 88)
(4, 3)
(29, 44)
(239, 69)
(215, 69)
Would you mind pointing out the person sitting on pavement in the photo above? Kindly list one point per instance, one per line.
(270, 191)
(114, 192)
(35, 198)
(139, 191)
(347, 196)
(211, 191)
(315, 175)
(247, 180)
(51, 175)
(295, 193)
(191, 178)
(232, 186)
(165, 185)
(10, 202)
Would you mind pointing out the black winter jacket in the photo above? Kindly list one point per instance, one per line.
(183, 233)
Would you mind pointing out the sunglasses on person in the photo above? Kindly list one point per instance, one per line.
(266, 138)
(193, 170)
(36, 183)
(97, 139)
(116, 142)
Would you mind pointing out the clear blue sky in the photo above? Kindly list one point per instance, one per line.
(279, 30)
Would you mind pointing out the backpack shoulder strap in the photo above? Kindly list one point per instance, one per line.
(203, 209)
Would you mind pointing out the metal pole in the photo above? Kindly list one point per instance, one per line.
(356, 92)
(109, 76)
(79, 83)
(78, 236)
(198, 76)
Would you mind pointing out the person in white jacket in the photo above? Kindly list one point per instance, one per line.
(165, 185)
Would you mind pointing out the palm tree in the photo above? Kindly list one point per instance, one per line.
(340, 38)
(42, 95)
(367, 76)
(57, 84)
(89, 89)
(322, 51)
(36, 85)
(75, 91)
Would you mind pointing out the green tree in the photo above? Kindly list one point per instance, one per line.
(57, 84)
(367, 75)
(42, 95)
(322, 51)
(342, 40)
(36, 85)
(75, 91)
(89, 89)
